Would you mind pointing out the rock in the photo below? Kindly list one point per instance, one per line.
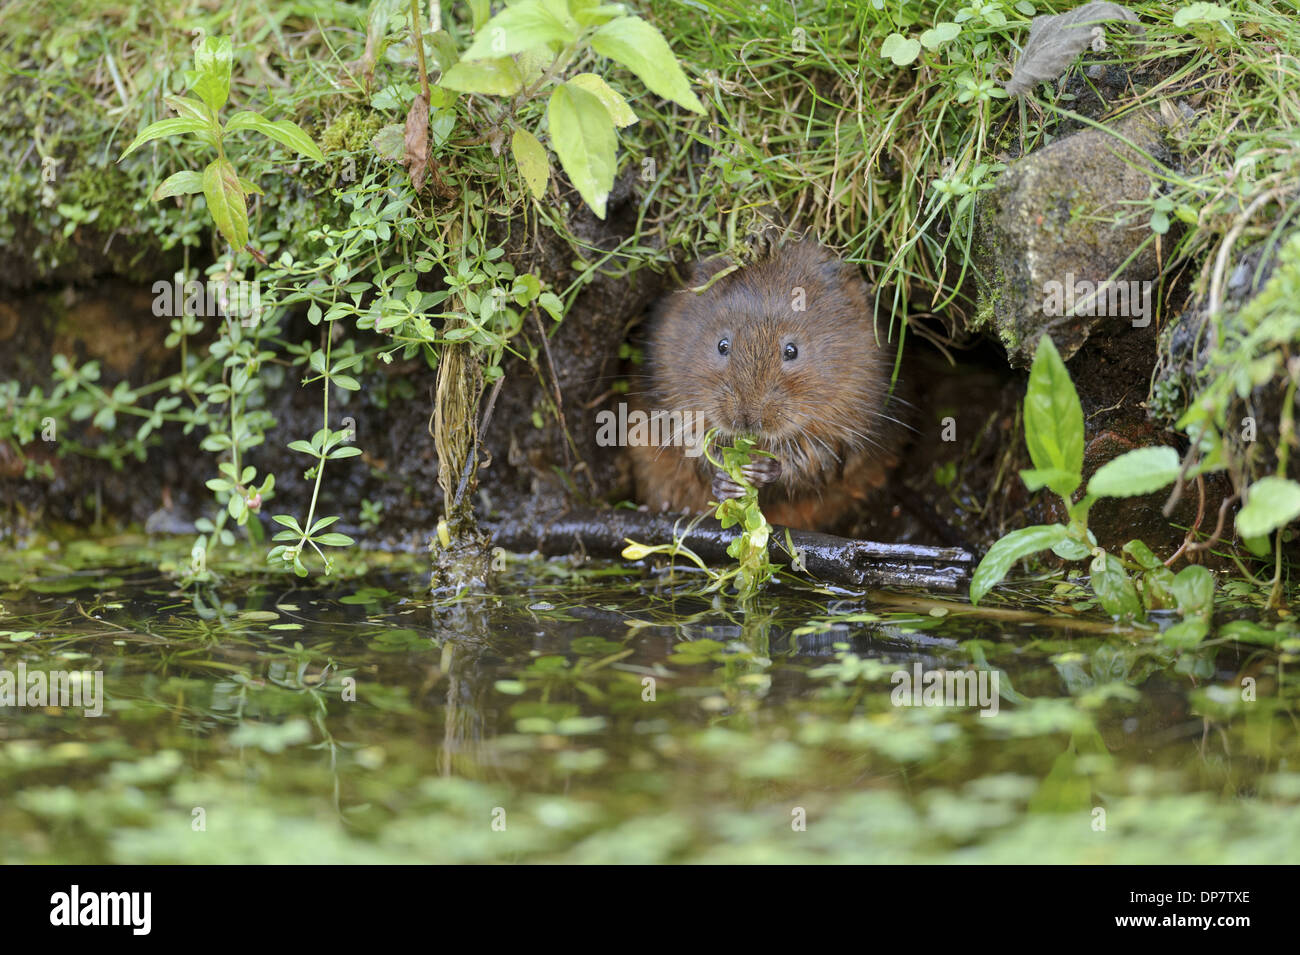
(1057, 224)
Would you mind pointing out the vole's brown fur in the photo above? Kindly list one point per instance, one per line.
(822, 413)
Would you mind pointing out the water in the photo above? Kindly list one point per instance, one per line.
(600, 714)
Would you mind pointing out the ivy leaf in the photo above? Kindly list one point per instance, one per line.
(583, 137)
(226, 201)
(530, 157)
(212, 62)
(283, 131)
(1272, 502)
(499, 77)
(176, 126)
(1136, 472)
(1004, 554)
(632, 42)
(516, 29)
(1054, 420)
(179, 184)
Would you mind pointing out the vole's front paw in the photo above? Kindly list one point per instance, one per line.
(762, 471)
(724, 488)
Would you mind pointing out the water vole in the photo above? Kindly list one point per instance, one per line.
(784, 349)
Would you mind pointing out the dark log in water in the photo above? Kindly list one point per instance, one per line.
(837, 560)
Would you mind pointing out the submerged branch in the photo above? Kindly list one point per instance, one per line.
(837, 560)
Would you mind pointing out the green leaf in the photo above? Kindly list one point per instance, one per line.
(498, 77)
(1054, 419)
(530, 157)
(583, 137)
(212, 62)
(179, 184)
(1113, 587)
(1193, 588)
(1185, 635)
(516, 29)
(619, 111)
(1142, 554)
(939, 34)
(1271, 502)
(226, 201)
(1051, 477)
(334, 539)
(902, 50)
(177, 126)
(1003, 555)
(194, 109)
(1136, 472)
(1071, 549)
(552, 304)
(390, 142)
(283, 131)
(637, 45)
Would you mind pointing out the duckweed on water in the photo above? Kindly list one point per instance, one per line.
(594, 715)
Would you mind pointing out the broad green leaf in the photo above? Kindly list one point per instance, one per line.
(283, 131)
(582, 135)
(176, 126)
(1187, 634)
(1113, 587)
(518, 28)
(1003, 555)
(226, 201)
(1142, 554)
(1246, 631)
(179, 184)
(939, 34)
(185, 106)
(1158, 588)
(643, 50)
(902, 50)
(1035, 479)
(1054, 419)
(530, 157)
(619, 111)
(1135, 472)
(1193, 588)
(212, 62)
(1272, 502)
(390, 143)
(498, 77)
(1071, 549)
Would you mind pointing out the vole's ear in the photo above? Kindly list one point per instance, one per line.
(704, 270)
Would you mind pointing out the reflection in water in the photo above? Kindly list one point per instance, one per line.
(592, 715)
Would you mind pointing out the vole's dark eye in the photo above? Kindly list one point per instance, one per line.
(724, 346)
(791, 352)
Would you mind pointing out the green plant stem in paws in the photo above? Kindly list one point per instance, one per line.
(750, 546)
